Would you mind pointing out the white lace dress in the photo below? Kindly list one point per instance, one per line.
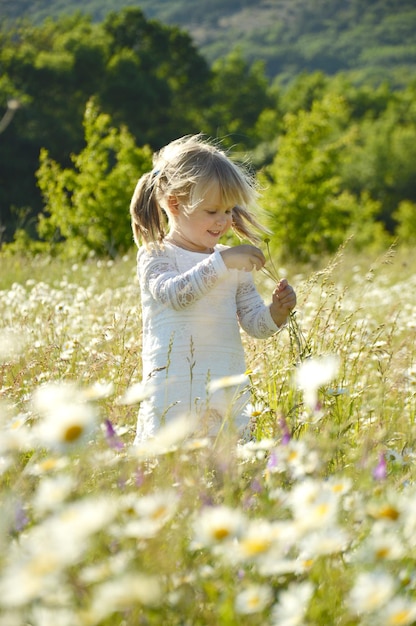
(192, 311)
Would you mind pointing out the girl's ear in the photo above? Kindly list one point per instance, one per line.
(173, 205)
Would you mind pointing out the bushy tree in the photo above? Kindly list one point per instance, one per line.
(405, 216)
(382, 159)
(309, 212)
(147, 76)
(240, 92)
(88, 205)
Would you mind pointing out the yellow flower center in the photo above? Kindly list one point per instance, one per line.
(382, 553)
(72, 433)
(255, 546)
(159, 513)
(48, 464)
(221, 533)
(253, 602)
(389, 512)
(399, 619)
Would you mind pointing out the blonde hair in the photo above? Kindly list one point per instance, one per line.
(186, 168)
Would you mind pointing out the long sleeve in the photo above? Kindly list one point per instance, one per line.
(170, 287)
(253, 314)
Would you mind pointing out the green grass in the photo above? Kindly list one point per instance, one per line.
(317, 526)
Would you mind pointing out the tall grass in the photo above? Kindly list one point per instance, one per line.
(312, 521)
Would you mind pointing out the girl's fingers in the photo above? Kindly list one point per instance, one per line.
(285, 295)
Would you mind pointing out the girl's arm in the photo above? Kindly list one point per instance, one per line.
(158, 273)
(255, 317)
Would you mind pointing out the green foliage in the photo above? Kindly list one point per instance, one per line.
(146, 76)
(152, 81)
(382, 159)
(240, 93)
(406, 222)
(290, 36)
(309, 212)
(88, 206)
(154, 73)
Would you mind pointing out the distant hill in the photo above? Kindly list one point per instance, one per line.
(374, 39)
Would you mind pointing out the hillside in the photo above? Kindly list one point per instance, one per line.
(373, 38)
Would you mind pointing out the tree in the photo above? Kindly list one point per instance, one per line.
(382, 159)
(405, 216)
(157, 82)
(88, 206)
(309, 212)
(240, 92)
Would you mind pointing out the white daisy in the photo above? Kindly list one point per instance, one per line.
(122, 593)
(372, 590)
(312, 374)
(51, 492)
(136, 393)
(399, 612)
(292, 604)
(66, 418)
(218, 524)
(254, 599)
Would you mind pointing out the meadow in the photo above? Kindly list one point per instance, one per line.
(309, 521)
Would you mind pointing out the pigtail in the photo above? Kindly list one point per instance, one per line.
(147, 218)
(242, 220)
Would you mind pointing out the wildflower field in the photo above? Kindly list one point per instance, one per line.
(311, 521)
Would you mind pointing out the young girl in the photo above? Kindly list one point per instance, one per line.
(195, 292)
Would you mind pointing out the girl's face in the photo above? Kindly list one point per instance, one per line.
(200, 229)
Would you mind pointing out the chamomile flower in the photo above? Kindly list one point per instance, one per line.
(382, 544)
(254, 599)
(167, 438)
(331, 540)
(151, 513)
(119, 594)
(136, 393)
(313, 506)
(54, 616)
(66, 418)
(295, 458)
(217, 525)
(312, 374)
(15, 433)
(51, 492)
(12, 344)
(399, 612)
(254, 449)
(256, 540)
(29, 577)
(292, 604)
(227, 381)
(372, 590)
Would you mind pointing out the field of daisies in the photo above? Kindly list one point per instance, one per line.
(310, 520)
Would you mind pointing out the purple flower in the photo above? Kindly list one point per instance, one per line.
(21, 519)
(272, 461)
(380, 471)
(139, 477)
(286, 436)
(113, 439)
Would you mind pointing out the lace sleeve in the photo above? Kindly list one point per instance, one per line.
(253, 314)
(159, 275)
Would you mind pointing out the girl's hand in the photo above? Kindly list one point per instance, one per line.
(244, 257)
(283, 301)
